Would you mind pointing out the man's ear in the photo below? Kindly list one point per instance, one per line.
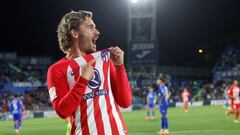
(74, 34)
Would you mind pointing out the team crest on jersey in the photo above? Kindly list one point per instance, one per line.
(96, 81)
(52, 93)
(105, 55)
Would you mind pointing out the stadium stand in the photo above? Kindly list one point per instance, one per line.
(228, 66)
(25, 76)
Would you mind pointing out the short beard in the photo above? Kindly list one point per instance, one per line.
(89, 51)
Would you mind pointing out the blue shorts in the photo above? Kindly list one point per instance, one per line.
(17, 116)
(163, 109)
(151, 105)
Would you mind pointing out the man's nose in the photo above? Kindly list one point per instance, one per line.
(97, 32)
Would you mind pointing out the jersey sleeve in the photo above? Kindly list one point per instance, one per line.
(230, 92)
(64, 100)
(21, 105)
(120, 85)
(166, 92)
(235, 92)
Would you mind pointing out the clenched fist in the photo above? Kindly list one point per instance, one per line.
(117, 55)
(87, 70)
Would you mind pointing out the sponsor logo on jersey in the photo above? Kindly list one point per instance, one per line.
(94, 94)
(96, 81)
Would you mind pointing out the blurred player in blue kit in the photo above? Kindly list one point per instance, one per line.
(226, 97)
(16, 109)
(163, 95)
(151, 101)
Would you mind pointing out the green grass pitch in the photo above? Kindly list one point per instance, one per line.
(208, 120)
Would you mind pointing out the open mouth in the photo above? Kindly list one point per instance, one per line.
(94, 41)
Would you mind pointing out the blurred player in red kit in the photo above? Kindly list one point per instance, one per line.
(185, 96)
(88, 85)
(233, 93)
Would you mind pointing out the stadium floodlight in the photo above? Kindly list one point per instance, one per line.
(200, 51)
(134, 1)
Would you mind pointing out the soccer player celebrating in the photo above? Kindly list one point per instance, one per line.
(86, 85)
(16, 109)
(151, 101)
(163, 95)
(185, 96)
(233, 93)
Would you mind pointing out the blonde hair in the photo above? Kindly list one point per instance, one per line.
(69, 21)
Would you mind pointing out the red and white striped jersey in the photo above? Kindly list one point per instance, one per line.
(236, 92)
(185, 96)
(92, 105)
(233, 91)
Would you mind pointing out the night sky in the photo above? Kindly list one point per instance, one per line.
(29, 27)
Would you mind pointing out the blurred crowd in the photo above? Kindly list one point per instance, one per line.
(25, 76)
(228, 66)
